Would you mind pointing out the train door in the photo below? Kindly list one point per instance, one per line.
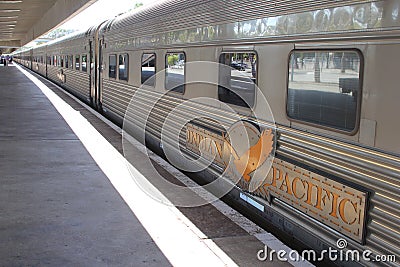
(91, 74)
(46, 62)
(98, 67)
(98, 74)
(31, 59)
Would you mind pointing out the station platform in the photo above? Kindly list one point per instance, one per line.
(67, 197)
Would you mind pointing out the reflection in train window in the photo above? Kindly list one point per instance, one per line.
(77, 62)
(55, 61)
(71, 61)
(112, 73)
(123, 67)
(148, 69)
(84, 63)
(237, 78)
(324, 88)
(175, 72)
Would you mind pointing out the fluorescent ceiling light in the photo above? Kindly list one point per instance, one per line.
(11, 2)
(10, 10)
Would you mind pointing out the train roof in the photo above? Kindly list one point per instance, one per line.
(167, 16)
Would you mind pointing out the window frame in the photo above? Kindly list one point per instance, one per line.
(109, 65)
(359, 97)
(165, 72)
(86, 68)
(256, 79)
(126, 67)
(155, 68)
(71, 62)
(75, 58)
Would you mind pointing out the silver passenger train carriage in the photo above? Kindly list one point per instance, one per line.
(328, 70)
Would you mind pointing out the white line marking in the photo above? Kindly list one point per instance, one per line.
(266, 238)
(180, 241)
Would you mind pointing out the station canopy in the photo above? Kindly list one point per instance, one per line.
(22, 21)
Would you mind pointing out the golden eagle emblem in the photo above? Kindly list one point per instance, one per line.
(255, 156)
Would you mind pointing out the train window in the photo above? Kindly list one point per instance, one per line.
(237, 78)
(71, 61)
(324, 88)
(55, 61)
(67, 62)
(112, 67)
(148, 69)
(62, 61)
(77, 62)
(91, 61)
(175, 72)
(123, 63)
(84, 63)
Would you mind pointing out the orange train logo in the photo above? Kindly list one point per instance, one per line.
(244, 151)
(248, 153)
(61, 76)
(255, 156)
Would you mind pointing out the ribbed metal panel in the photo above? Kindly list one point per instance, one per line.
(116, 96)
(60, 42)
(183, 14)
(373, 171)
(52, 74)
(76, 82)
(42, 69)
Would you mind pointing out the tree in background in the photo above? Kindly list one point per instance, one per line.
(136, 5)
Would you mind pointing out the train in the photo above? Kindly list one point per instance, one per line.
(307, 90)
